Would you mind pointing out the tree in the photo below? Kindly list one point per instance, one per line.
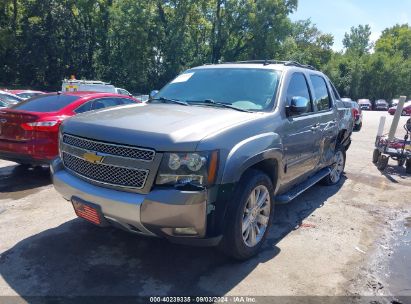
(306, 44)
(358, 40)
(395, 40)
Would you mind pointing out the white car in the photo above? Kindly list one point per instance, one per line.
(74, 85)
(7, 99)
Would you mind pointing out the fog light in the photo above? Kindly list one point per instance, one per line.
(185, 231)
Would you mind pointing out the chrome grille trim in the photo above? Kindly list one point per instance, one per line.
(110, 149)
(106, 174)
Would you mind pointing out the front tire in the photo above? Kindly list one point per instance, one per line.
(337, 169)
(382, 162)
(249, 216)
(375, 156)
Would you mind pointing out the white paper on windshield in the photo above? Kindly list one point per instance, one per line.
(182, 78)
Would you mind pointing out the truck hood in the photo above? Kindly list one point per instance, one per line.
(163, 127)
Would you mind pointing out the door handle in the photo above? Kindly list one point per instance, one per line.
(315, 127)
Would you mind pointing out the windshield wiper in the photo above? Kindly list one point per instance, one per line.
(165, 100)
(210, 102)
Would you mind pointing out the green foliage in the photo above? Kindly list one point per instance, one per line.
(358, 40)
(142, 44)
(384, 74)
(395, 40)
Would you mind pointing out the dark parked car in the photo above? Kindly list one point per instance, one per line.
(29, 130)
(8, 99)
(204, 162)
(381, 105)
(26, 94)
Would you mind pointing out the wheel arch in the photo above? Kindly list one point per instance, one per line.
(344, 138)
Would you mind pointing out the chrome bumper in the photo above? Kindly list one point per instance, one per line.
(156, 213)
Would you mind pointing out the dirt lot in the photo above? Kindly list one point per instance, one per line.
(329, 241)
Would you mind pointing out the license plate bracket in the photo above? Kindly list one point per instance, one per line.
(88, 211)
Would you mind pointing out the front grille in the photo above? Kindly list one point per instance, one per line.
(107, 174)
(112, 149)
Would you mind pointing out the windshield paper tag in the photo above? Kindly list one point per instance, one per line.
(182, 78)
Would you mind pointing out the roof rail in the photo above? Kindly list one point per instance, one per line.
(272, 61)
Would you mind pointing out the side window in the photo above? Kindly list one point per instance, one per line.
(122, 92)
(84, 107)
(298, 88)
(321, 96)
(106, 103)
(336, 95)
(127, 101)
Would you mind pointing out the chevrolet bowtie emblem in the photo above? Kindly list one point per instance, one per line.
(93, 158)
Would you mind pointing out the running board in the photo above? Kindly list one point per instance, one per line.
(300, 188)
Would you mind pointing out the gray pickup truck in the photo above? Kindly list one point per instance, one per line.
(207, 158)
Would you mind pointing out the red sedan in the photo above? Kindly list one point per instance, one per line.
(29, 130)
(406, 111)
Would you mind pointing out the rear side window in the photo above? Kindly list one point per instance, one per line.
(49, 103)
(298, 88)
(122, 92)
(321, 96)
(336, 95)
(103, 103)
(84, 107)
(106, 102)
(127, 101)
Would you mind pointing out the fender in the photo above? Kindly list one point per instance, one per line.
(249, 152)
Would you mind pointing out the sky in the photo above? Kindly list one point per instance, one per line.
(336, 17)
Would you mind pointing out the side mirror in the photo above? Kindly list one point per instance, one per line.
(298, 105)
(153, 93)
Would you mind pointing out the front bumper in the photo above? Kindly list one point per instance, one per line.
(157, 213)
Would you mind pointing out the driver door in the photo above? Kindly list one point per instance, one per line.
(301, 134)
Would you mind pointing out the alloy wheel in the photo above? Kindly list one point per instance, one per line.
(338, 167)
(256, 215)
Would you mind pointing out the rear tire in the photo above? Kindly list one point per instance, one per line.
(382, 162)
(337, 169)
(408, 166)
(241, 239)
(376, 156)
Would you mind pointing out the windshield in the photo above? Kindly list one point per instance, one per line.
(246, 89)
(46, 103)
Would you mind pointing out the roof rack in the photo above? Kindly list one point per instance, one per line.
(272, 61)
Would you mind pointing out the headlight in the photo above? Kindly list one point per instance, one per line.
(197, 168)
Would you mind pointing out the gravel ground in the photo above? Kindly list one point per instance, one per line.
(329, 241)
